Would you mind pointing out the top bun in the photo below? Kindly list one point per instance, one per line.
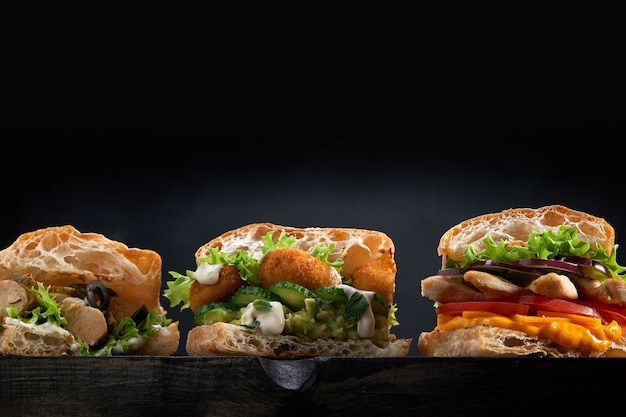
(515, 226)
(64, 256)
(368, 255)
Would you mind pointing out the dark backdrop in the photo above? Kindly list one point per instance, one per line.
(174, 189)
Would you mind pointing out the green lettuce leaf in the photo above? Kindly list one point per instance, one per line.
(548, 244)
(177, 291)
(48, 310)
(126, 334)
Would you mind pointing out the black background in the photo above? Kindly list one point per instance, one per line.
(171, 189)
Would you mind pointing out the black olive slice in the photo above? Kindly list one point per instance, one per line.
(140, 315)
(97, 295)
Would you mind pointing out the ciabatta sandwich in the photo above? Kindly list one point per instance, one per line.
(63, 292)
(286, 292)
(526, 281)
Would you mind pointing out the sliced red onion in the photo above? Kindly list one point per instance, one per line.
(524, 271)
(551, 264)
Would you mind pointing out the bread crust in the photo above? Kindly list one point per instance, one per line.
(62, 255)
(515, 225)
(484, 341)
(224, 339)
(21, 339)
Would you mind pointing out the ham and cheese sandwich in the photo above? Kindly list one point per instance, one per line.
(528, 281)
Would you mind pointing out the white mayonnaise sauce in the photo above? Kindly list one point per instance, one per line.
(271, 321)
(45, 328)
(207, 274)
(367, 323)
(135, 343)
(334, 274)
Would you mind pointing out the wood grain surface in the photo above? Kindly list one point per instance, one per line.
(250, 386)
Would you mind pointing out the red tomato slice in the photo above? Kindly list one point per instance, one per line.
(538, 302)
(608, 311)
(498, 307)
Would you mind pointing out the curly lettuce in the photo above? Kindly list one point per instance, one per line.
(124, 336)
(549, 244)
(48, 310)
(177, 291)
(127, 334)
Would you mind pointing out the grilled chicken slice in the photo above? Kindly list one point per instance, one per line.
(612, 291)
(493, 286)
(486, 286)
(86, 322)
(449, 290)
(554, 285)
(13, 294)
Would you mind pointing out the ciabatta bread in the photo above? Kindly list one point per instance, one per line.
(368, 261)
(222, 339)
(495, 341)
(515, 225)
(63, 256)
(21, 339)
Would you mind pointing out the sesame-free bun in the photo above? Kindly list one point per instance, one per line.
(225, 339)
(483, 341)
(515, 225)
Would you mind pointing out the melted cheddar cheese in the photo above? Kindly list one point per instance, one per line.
(569, 330)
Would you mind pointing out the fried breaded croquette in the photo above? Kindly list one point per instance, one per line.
(229, 280)
(298, 266)
(377, 276)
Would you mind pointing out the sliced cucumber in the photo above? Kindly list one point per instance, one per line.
(216, 312)
(247, 294)
(334, 294)
(291, 294)
(379, 305)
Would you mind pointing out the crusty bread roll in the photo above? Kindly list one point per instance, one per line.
(368, 261)
(515, 225)
(495, 341)
(62, 256)
(222, 339)
(17, 338)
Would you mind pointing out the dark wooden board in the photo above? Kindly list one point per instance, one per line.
(249, 386)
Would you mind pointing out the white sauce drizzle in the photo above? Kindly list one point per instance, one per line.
(46, 328)
(367, 323)
(271, 321)
(207, 274)
(334, 274)
(135, 343)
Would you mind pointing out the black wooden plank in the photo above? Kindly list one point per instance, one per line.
(248, 386)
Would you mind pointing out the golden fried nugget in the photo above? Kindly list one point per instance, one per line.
(377, 276)
(229, 280)
(298, 266)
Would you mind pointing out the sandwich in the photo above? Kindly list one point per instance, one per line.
(528, 282)
(63, 292)
(286, 292)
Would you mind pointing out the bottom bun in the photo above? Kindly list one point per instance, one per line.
(163, 343)
(485, 340)
(17, 338)
(221, 339)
